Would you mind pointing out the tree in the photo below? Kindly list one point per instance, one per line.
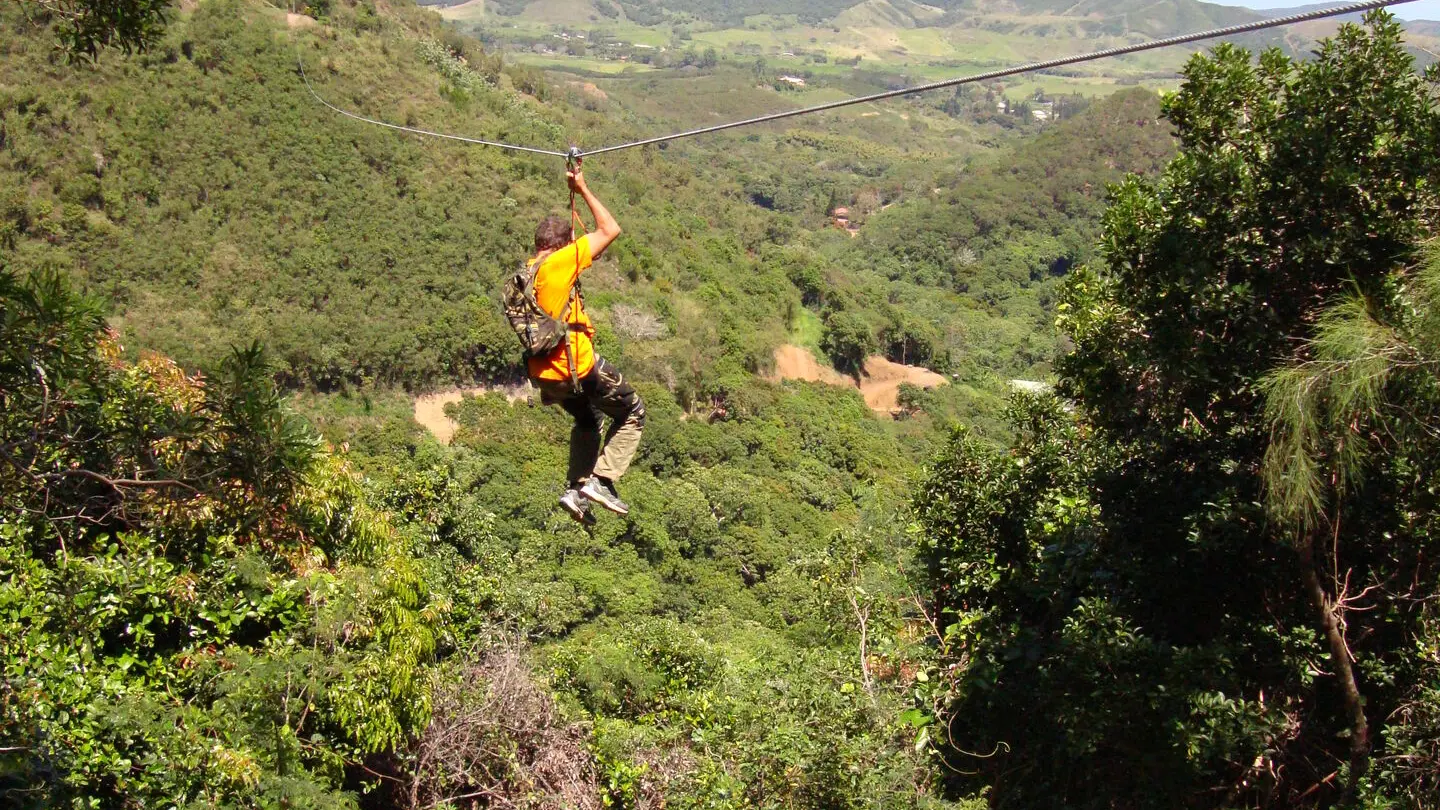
(1281, 198)
(85, 27)
(848, 340)
(177, 554)
(1358, 389)
(1158, 647)
(1359, 409)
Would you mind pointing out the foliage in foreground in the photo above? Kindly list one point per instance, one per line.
(1356, 412)
(709, 637)
(201, 606)
(1127, 623)
(196, 603)
(83, 28)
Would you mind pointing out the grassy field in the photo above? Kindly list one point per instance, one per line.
(560, 12)
(579, 64)
(1060, 85)
(736, 38)
(806, 329)
(634, 34)
(471, 12)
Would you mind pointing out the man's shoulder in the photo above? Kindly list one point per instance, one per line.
(565, 258)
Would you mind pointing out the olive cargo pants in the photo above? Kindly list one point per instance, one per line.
(603, 392)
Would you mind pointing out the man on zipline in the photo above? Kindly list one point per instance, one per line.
(602, 390)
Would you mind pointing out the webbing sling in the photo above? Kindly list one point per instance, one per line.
(574, 306)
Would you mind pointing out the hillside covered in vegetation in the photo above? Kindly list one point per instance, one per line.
(235, 572)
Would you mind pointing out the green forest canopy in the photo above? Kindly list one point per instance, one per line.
(205, 603)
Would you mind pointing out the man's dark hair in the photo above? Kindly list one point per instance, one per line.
(553, 233)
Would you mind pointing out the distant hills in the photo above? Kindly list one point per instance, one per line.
(917, 40)
(1423, 35)
(1048, 18)
(1163, 18)
(1108, 16)
(1426, 27)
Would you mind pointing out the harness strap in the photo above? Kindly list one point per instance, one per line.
(574, 304)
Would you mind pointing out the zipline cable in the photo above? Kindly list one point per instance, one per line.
(415, 131)
(1214, 33)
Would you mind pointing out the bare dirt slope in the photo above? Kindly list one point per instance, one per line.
(879, 382)
(430, 408)
(797, 363)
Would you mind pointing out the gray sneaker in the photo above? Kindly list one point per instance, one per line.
(574, 503)
(603, 492)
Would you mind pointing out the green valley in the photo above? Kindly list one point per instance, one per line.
(830, 42)
(1040, 444)
(876, 44)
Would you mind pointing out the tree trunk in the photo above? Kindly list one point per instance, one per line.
(1340, 654)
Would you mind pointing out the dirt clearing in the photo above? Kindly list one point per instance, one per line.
(797, 363)
(879, 381)
(592, 89)
(880, 384)
(430, 408)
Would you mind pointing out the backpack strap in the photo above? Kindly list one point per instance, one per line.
(529, 272)
(572, 160)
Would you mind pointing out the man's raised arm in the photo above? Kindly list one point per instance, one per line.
(606, 228)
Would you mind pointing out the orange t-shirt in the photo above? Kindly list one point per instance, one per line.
(553, 282)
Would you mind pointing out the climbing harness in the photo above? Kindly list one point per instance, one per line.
(574, 153)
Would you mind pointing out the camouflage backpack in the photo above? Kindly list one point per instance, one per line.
(540, 333)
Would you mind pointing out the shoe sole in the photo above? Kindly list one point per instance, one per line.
(577, 513)
(606, 501)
